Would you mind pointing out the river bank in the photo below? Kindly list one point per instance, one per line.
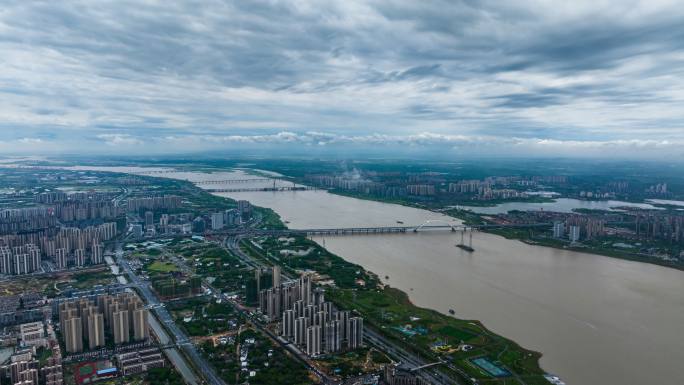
(574, 307)
(430, 334)
(527, 292)
(522, 235)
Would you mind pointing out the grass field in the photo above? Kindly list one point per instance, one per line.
(51, 284)
(162, 267)
(390, 311)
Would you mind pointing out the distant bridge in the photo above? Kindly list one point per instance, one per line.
(257, 189)
(234, 181)
(153, 172)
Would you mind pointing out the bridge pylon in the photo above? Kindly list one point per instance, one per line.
(429, 221)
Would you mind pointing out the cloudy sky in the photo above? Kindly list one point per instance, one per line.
(468, 77)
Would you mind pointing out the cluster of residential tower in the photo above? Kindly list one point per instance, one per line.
(307, 319)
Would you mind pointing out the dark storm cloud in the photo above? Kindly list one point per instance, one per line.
(137, 71)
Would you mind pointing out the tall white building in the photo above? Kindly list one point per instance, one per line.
(149, 219)
(313, 341)
(288, 324)
(355, 338)
(216, 221)
(558, 229)
(79, 257)
(97, 253)
(276, 276)
(245, 208)
(232, 217)
(164, 222)
(333, 337)
(574, 233)
(301, 326)
(5, 260)
(61, 258)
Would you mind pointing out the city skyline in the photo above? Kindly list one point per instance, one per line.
(580, 79)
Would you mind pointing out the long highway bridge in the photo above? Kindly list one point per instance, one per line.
(428, 226)
(234, 181)
(256, 189)
(155, 172)
(431, 225)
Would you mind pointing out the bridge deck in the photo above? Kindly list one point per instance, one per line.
(257, 189)
(232, 181)
(369, 230)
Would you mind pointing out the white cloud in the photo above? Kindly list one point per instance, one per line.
(425, 144)
(30, 140)
(120, 140)
(582, 74)
(486, 145)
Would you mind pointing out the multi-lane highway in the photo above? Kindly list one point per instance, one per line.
(180, 338)
(176, 359)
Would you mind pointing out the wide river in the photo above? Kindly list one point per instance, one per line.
(597, 320)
